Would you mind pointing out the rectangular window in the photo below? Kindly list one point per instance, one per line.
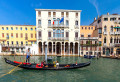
(67, 14)
(62, 31)
(12, 42)
(76, 34)
(7, 36)
(49, 34)
(82, 35)
(49, 14)
(89, 35)
(67, 34)
(39, 13)
(76, 15)
(12, 35)
(67, 23)
(35, 35)
(105, 19)
(54, 14)
(100, 31)
(39, 33)
(17, 42)
(3, 35)
(54, 33)
(76, 22)
(112, 19)
(100, 36)
(49, 22)
(16, 35)
(62, 14)
(99, 21)
(86, 48)
(21, 35)
(39, 22)
(31, 35)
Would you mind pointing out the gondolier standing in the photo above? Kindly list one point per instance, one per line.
(28, 53)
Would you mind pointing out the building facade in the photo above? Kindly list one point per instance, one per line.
(16, 37)
(109, 33)
(89, 44)
(60, 29)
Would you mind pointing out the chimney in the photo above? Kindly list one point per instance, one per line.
(94, 18)
(98, 16)
(107, 13)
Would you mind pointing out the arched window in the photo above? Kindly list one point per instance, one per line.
(76, 22)
(105, 28)
(20, 28)
(49, 22)
(31, 28)
(11, 28)
(39, 22)
(105, 40)
(111, 40)
(114, 40)
(111, 29)
(26, 28)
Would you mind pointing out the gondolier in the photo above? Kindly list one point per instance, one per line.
(28, 53)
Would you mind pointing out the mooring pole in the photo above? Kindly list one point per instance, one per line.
(46, 52)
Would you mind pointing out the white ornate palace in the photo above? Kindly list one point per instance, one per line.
(60, 29)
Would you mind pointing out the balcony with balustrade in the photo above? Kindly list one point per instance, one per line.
(117, 32)
(105, 44)
(112, 33)
(111, 44)
(56, 26)
(105, 33)
(88, 38)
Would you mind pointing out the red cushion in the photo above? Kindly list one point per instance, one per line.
(17, 62)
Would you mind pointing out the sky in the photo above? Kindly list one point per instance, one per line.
(20, 12)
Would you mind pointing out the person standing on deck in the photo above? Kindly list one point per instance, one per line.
(28, 53)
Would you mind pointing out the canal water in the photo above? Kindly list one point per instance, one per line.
(101, 70)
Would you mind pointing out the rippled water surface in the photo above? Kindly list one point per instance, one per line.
(101, 70)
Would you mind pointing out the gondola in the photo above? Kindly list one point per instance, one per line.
(89, 56)
(35, 66)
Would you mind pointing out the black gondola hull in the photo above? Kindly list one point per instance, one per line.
(50, 66)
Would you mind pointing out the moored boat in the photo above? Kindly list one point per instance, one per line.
(89, 56)
(35, 66)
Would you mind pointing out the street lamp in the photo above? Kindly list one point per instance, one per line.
(46, 52)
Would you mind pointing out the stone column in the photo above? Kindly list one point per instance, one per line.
(55, 48)
(74, 48)
(52, 48)
(64, 48)
(42, 48)
(69, 48)
(78, 49)
(61, 48)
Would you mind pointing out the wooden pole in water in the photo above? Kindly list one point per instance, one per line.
(34, 56)
(46, 52)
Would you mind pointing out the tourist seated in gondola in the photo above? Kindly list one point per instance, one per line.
(57, 64)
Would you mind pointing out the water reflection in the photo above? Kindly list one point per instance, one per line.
(100, 70)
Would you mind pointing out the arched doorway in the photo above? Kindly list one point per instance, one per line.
(107, 51)
(71, 48)
(50, 48)
(58, 48)
(118, 51)
(66, 48)
(76, 48)
(40, 47)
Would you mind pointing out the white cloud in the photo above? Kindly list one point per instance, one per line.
(96, 5)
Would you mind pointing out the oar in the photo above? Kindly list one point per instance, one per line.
(12, 69)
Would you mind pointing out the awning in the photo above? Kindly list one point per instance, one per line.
(116, 27)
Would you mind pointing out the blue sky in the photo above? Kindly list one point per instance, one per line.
(23, 11)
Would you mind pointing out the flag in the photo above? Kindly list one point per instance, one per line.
(53, 22)
(62, 20)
